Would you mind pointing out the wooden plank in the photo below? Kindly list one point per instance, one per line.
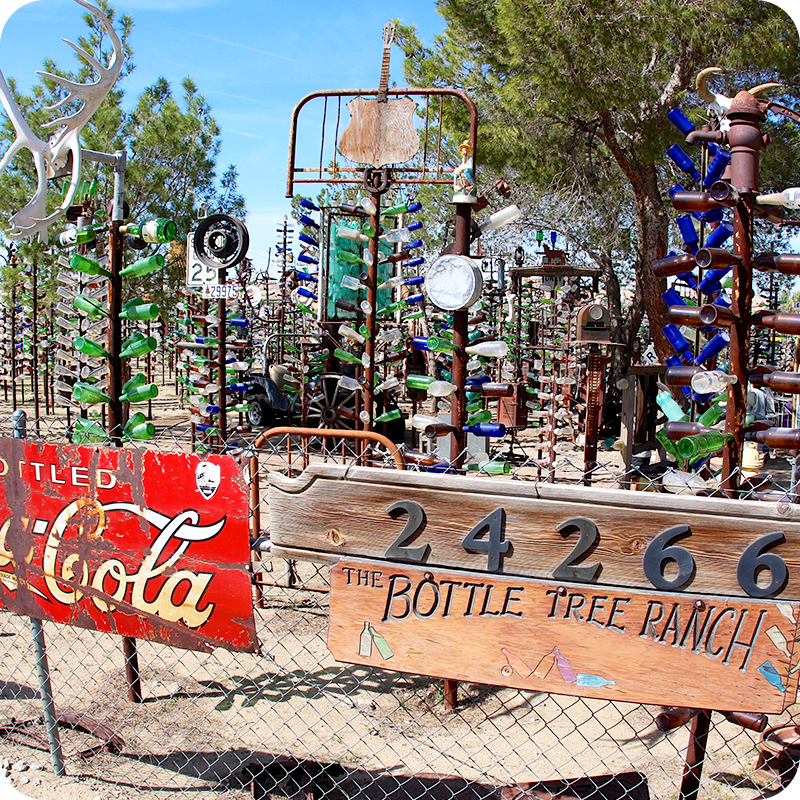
(343, 510)
(566, 638)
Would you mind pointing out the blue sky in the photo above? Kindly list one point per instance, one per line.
(252, 59)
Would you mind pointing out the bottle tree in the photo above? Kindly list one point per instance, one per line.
(720, 208)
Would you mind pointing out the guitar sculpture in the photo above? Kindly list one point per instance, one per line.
(53, 155)
(381, 131)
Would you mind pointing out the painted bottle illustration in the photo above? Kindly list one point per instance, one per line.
(365, 642)
(369, 637)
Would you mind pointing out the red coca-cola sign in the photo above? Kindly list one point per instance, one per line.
(143, 544)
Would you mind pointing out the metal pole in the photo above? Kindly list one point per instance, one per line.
(222, 316)
(46, 693)
(371, 321)
(116, 420)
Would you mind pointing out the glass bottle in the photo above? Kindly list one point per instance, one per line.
(703, 444)
(349, 282)
(497, 389)
(779, 321)
(140, 312)
(439, 344)
(784, 438)
(88, 432)
(681, 375)
(711, 381)
(89, 348)
(349, 333)
(144, 266)
(388, 416)
(343, 355)
(90, 307)
(668, 404)
(140, 394)
(484, 415)
(140, 346)
(355, 235)
(493, 349)
(401, 208)
(86, 393)
(788, 198)
(788, 382)
(491, 467)
(493, 429)
(153, 231)
(713, 347)
(441, 389)
(436, 429)
(87, 266)
(72, 237)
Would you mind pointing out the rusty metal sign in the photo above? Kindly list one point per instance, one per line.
(148, 545)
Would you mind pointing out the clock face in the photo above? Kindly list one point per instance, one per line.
(453, 282)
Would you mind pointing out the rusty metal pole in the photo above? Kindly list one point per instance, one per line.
(746, 141)
(222, 399)
(695, 755)
(371, 321)
(458, 407)
(116, 420)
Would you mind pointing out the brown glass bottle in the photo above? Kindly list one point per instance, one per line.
(415, 457)
(497, 389)
(724, 193)
(681, 376)
(346, 305)
(439, 429)
(718, 316)
(716, 257)
(673, 265)
(477, 319)
(694, 201)
(785, 438)
(788, 382)
(677, 430)
(685, 315)
(395, 257)
(780, 321)
(786, 263)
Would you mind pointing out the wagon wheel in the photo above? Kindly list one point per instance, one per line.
(331, 406)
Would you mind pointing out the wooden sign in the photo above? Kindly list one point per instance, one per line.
(566, 638)
(149, 545)
(602, 537)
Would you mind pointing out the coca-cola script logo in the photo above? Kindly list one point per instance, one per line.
(154, 586)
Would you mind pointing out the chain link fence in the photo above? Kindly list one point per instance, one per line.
(291, 722)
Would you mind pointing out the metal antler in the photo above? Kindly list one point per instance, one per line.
(53, 154)
(719, 104)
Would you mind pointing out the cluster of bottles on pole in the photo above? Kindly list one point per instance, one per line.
(215, 357)
(82, 316)
(700, 316)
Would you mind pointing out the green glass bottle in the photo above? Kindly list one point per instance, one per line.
(140, 394)
(143, 266)
(712, 415)
(400, 305)
(475, 405)
(88, 432)
(140, 346)
(134, 382)
(414, 315)
(439, 344)
(86, 393)
(491, 467)
(350, 258)
(480, 416)
(668, 444)
(75, 236)
(87, 266)
(388, 416)
(343, 355)
(140, 312)
(153, 231)
(89, 348)
(90, 307)
(703, 444)
(145, 430)
(419, 382)
(305, 309)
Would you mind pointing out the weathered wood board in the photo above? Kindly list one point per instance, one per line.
(668, 649)
(598, 536)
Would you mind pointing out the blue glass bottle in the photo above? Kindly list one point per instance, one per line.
(306, 293)
(680, 121)
(412, 245)
(306, 276)
(306, 259)
(306, 220)
(309, 240)
(719, 235)
(683, 161)
(679, 342)
(420, 343)
(494, 429)
(688, 232)
(717, 166)
(305, 203)
(713, 347)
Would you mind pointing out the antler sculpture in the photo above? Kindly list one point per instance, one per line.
(53, 154)
(719, 104)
